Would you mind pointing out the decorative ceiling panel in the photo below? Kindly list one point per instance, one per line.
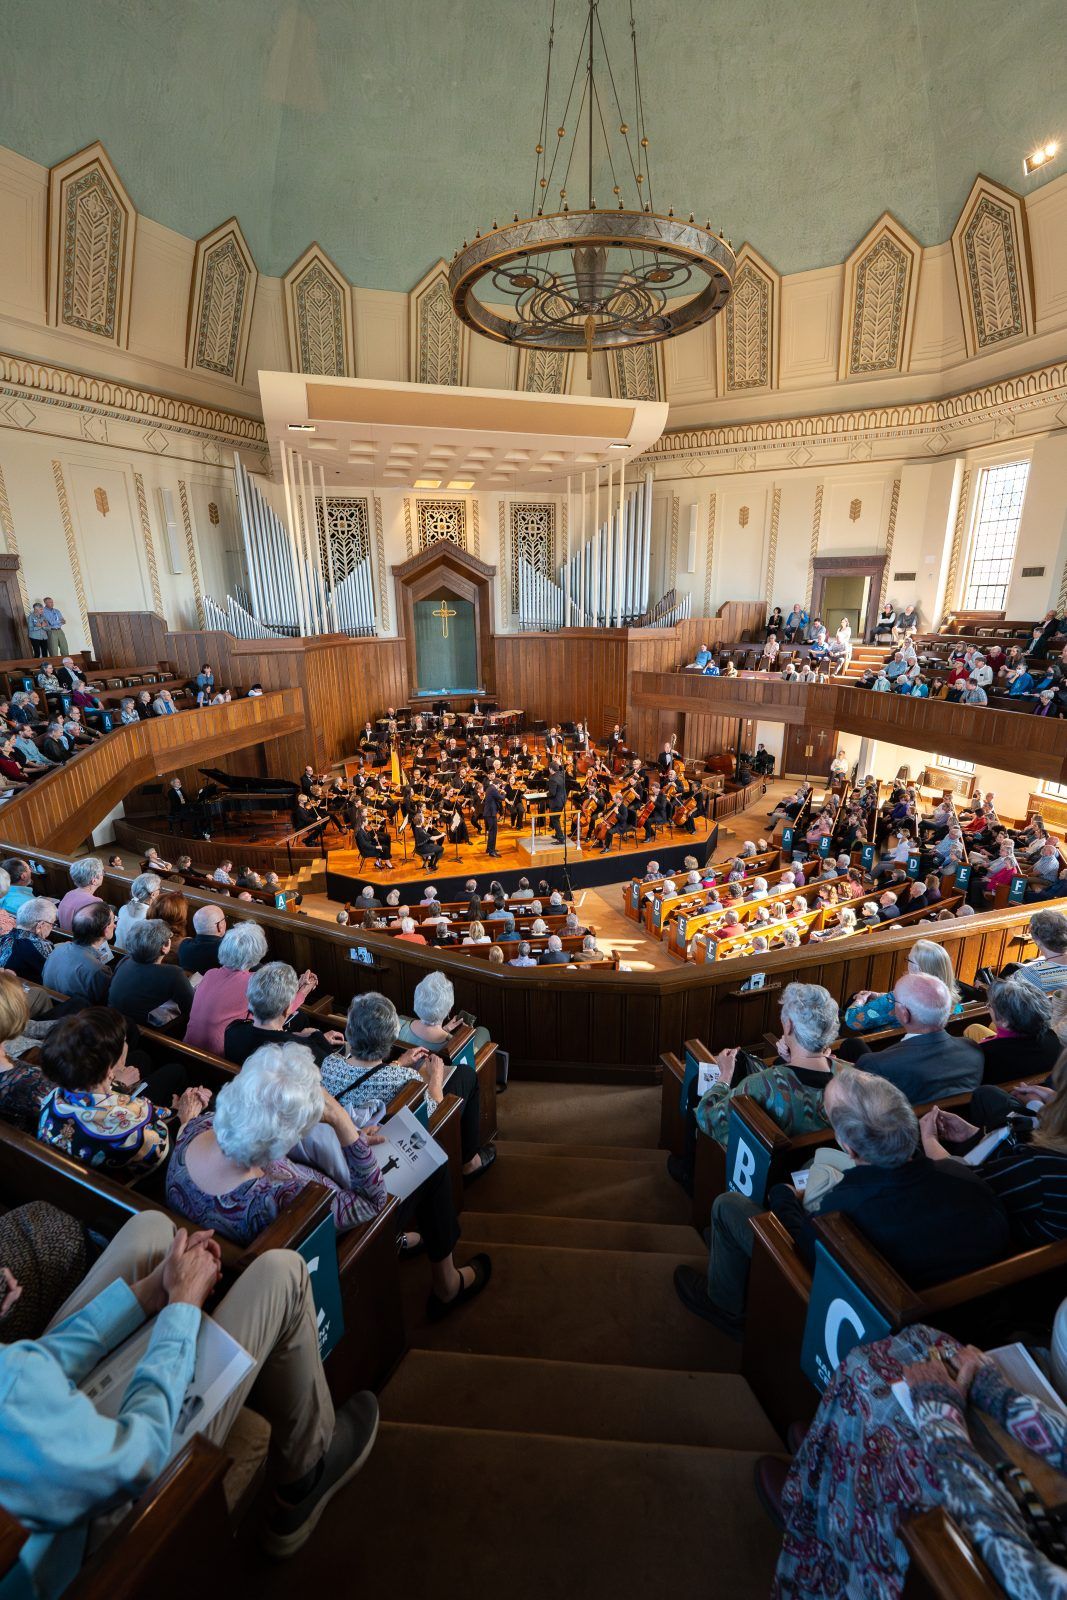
(220, 303)
(318, 316)
(91, 233)
(878, 310)
(439, 341)
(991, 250)
(748, 328)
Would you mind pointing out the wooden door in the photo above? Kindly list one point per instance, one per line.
(808, 752)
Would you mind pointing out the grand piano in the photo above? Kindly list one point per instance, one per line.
(225, 793)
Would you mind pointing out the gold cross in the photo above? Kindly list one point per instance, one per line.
(444, 613)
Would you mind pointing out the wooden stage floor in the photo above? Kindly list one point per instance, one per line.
(590, 864)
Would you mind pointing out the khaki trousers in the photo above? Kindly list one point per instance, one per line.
(270, 1311)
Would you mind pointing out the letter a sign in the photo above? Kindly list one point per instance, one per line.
(839, 1316)
(748, 1161)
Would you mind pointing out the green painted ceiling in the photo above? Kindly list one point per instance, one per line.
(389, 129)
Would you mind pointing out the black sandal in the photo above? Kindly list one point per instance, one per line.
(405, 1249)
(437, 1309)
(488, 1155)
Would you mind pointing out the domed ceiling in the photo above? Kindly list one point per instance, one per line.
(389, 129)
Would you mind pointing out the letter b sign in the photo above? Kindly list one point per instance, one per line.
(748, 1161)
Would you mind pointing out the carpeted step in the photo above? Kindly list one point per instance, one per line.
(446, 1513)
(576, 1233)
(647, 1155)
(583, 1113)
(612, 1306)
(577, 1186)
(645, 1405)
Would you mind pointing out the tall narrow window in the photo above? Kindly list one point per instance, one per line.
(1054, 791)
(996, 533)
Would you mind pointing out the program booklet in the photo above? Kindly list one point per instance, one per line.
(221, 1364)
(408, 1154)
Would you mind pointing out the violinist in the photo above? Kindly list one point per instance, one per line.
(429, 844)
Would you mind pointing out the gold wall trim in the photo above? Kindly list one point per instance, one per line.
(190, 545)
(149, 542)
(958, 530)
(72, 544)
(383, 574)
(772, 546)
(409, 539)
(502, 565)
(709, 553)
(890, 534)
(816, 524)
(1027, 391)
(673, 572)
(476, 528)
(78, 391)
(7, 528)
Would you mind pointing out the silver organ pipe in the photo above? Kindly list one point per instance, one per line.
(293, 583)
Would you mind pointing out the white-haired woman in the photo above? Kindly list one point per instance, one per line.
(221, 996)
(433, 1024)
(790, 1090)
(843, 925)
(236, 1169)
(144, 892)
(367, 1073)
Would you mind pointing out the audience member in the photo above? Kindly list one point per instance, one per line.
(143, 988)
(275, 995)
(86, 875)
(200, 952)
(26, 948)
(221, 996)
(928, 1063)
(144, 891)
(79, 968)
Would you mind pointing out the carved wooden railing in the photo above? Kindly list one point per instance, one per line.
(1009, 740)
(61, 809)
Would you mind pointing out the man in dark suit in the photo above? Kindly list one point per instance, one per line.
(665, 759)
(307, 780)
(554, 955)
(491, 804)
(557, 798)
(928, 1063)
(428, 845)
(200, 952)
(931, 1220)
(176, 800)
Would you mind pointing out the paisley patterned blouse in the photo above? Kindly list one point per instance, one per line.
(243, 1213)
(105, 1130)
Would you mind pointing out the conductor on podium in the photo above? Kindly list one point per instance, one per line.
(491, 805)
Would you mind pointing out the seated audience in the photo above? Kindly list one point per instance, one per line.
(232, 1169)
(221, 996)
(433, 1024)
(19, 881)
(275, 995)
(364, 1075)
(79, 968)
(1048, 930)
(86, 875)
(23, 1087)
(143, 988)
(200, 951)
(91, 1462)
(25, 949)
(928, 1063)
(931, 1220)
(144, 892)
(868, 1010)
(1021, 1040)
(524, 957)
(91, 1119)
(553, 953)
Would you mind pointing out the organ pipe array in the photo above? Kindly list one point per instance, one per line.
(293, 586)
(605, 582)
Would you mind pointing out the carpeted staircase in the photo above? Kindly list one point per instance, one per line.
(574, 1431)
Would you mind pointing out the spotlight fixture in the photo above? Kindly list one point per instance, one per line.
(1040, 157)
(302, 427)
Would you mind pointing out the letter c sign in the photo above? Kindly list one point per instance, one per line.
(839, 1314)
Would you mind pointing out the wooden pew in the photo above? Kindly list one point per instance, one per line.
(1023, 1285)
(942, 1563)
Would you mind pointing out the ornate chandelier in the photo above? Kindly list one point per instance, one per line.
(592, 278)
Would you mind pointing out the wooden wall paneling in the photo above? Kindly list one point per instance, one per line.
(552, 1022)
(127, 638)
(62, 808)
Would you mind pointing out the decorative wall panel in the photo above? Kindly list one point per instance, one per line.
(318, 316)
(636, 373)
(91, 229)
(533, 539)
(349, 517)
(220, 303)
(439, 341)
(881, 289)
(991, 250)
(544, 372)
(749, 327)
(441, 519)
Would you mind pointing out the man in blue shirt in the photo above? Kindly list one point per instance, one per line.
(55, 622)
(63, 1464)
(1021, 684)
(19, 875)
(702, 657)
(710, 669)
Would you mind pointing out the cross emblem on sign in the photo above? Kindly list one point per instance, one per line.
(444, 613)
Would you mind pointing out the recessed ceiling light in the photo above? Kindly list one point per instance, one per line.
(301, 427)
(1040, 157)
(618, 447)
(461, 483)
(427, 483)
